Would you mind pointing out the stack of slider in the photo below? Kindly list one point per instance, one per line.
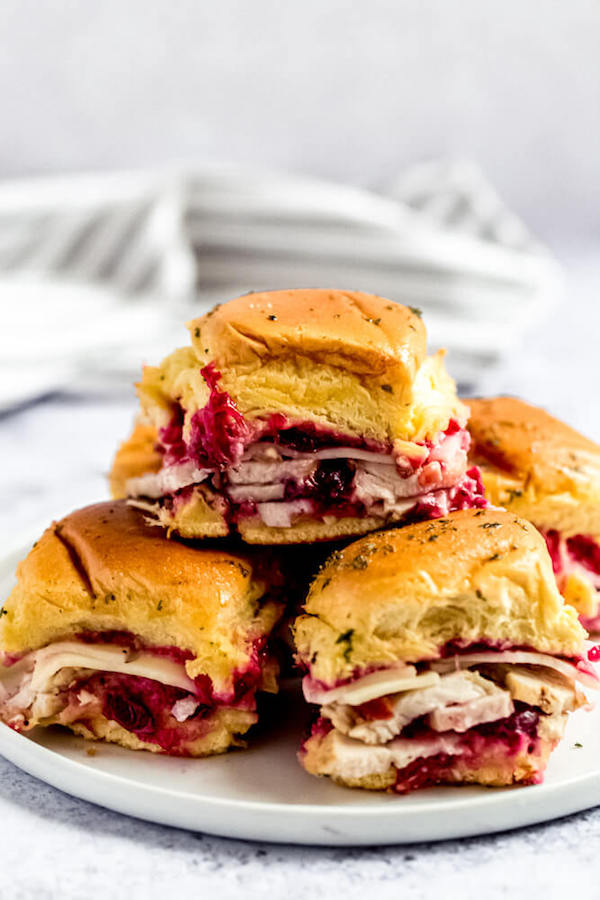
(436, 648)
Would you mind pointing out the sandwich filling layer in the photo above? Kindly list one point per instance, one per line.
(276, 471)
(412, 726)
(144, 690)
(576, 565)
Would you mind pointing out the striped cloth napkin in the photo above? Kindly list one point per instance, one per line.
(99, 272)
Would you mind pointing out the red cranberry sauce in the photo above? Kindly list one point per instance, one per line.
(219, 433)
(170, 439)
(553, 543)
(246, 681)
(9, 659)
(585, 551)
(482, 744)
(424, 772)
(468, 493)
(492, 742)
(331, 491)
(330, 483)
(594, 653)
(580, 548)
(144, 708)
(457, 646)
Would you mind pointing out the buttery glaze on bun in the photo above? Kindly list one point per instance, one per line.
(539, 468)
(102, 585)
(535, 465)
(476, 576)
(347, 360)
(103, 568)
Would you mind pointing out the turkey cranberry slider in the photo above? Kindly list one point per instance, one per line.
(440, 653)
(300, 416)
(123, 636)
(543, 470)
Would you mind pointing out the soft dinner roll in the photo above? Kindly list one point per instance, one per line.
(125, 636)
(347, 361)
(299, 416)
(441, 652)
(543, 470)
(405, 594)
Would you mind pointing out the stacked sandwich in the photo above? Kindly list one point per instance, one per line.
(436, 648)
(300, 416)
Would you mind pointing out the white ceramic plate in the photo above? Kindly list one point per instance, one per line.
(263, 794)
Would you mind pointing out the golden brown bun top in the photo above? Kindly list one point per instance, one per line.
(536, 465)
(103, 568)
(352, 362)
(361, 332)
(527, 441)
(474, 576)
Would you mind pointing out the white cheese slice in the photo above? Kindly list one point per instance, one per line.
(369, 687)
(520, 657)
(103, 658)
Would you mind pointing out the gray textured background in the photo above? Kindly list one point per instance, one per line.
(348, 90)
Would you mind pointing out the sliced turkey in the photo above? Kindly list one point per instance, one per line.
(544, 688)
(257, 493)
(490, 707)
(31, 686)
(167, 481)
(457, 702)
(350, 759)
(280, 515)
(270, 472)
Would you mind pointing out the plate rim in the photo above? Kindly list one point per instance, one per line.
(304, 824)
(515, 807)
